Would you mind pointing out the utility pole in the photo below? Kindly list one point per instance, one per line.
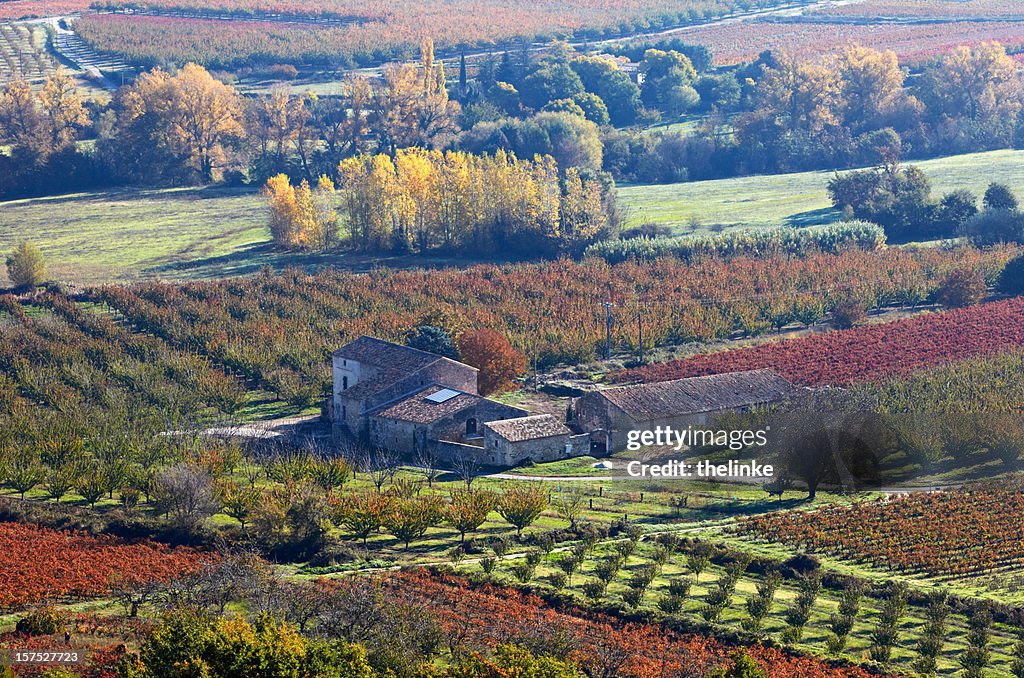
(640, 332)
(609, 321)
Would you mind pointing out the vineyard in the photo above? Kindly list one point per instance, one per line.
(21, 9)
(371, 32)
(912, 43)
(986, 386)
(940, 534)
(41, 564)
(497, 614)
(869, 353)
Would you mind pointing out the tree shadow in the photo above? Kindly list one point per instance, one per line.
(818, 217)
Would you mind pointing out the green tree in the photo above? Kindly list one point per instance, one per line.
(551, 81)
(432, 339)
(668, 81)
(741, 665)
(1011, 280)
(468, 510)
(409, 519)
(999, 197)
(25, 265)
(188, 644)
(603, 77)
(992, 227)
(520, 505)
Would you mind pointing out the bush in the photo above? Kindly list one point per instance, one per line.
(670, 603)
(1011, 280)
(963, 287)
(847, 314)
(993, 227)
(640, 243)
(25, 266)
(43, 622)
(999, 197)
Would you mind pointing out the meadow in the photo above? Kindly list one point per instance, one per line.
(197, 233)
(795, 199)
(99, 237)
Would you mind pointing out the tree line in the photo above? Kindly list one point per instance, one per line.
(420, 200)
(775, 114)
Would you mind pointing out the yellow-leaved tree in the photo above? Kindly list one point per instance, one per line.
(302, 217)
(190, 114)
(427, 199)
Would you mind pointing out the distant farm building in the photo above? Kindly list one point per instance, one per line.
(679, 403)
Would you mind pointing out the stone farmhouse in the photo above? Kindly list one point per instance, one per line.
(403, 399)
(406, 400)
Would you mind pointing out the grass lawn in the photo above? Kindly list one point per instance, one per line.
(797, 199)
(173, 234)
(98, 237)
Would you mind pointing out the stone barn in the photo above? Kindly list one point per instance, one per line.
(539, 438)
(679, 403)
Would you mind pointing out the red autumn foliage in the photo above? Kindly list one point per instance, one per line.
(913, 43)
(869, 353)
(605, 645)
(491, 353)
(944, 533)
(39, 564)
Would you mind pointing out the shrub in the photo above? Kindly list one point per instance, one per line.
(594, 590)
(25, 266)
(633, 597)
(680, 587)
(640, 243)
(847, 314)
(999, 197)
(670, 603)
(962, 288)
(558, 579)
(992, 227)
(1011, 280)
(42, 622)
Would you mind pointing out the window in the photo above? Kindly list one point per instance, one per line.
(344, 383)
(343, 413)
(471, 426)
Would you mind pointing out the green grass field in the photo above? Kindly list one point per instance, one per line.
(97, 237)
(796, 199)
(190, 233)
(171, 234)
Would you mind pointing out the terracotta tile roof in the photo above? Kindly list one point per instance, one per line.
(417, 409)
(386, 354)
(393, 362)
(528, 428)
(700, 394)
